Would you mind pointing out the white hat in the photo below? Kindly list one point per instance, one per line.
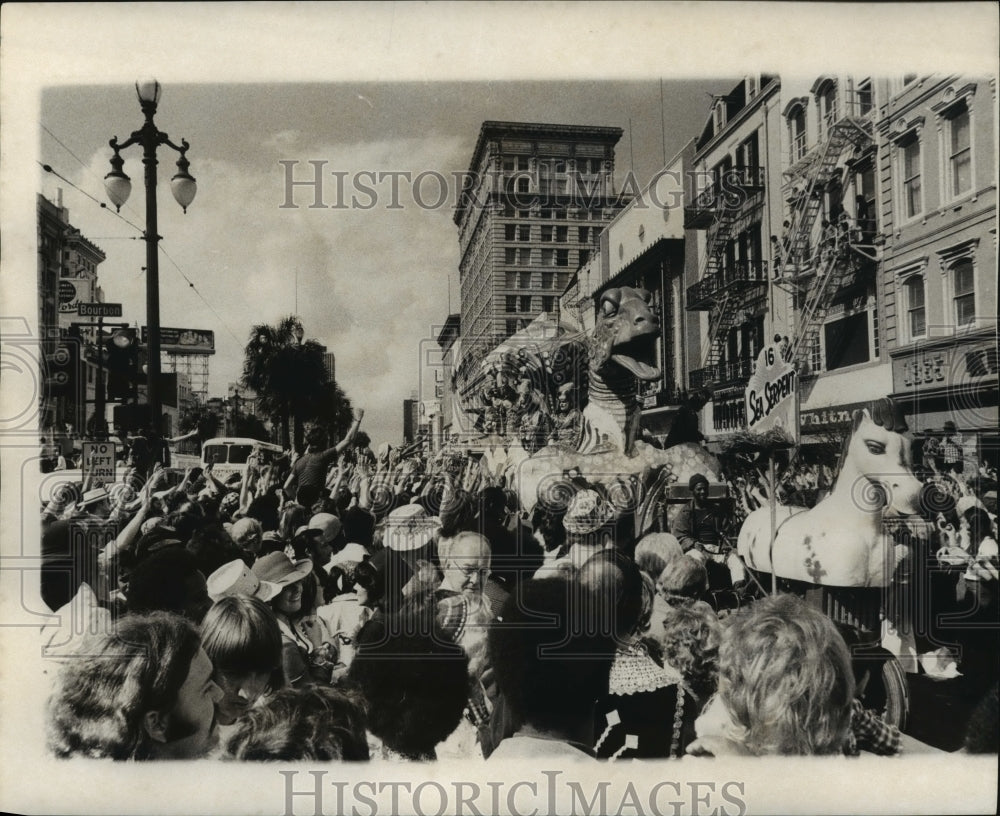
(235, 578)
(327, 523)
(93, 496)
(408, 528)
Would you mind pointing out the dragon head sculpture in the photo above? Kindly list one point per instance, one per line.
(625, 334)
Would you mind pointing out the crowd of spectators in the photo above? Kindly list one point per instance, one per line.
(349, 605)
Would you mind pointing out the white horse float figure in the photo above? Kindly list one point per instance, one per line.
(840, 541)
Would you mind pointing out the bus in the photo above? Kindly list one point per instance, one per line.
(229, 455)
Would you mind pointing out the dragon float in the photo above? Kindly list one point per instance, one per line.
(576, 411)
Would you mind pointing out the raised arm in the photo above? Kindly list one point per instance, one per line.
(358, 414)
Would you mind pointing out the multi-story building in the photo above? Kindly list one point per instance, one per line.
(791, 247)
(411, 418)
(330, 363)
(937, 185)
(730, 296)
(67, 276)
(536, 200)
(829, 248)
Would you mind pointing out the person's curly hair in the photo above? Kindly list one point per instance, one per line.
(459, 514)
(316, 723)
(414, 679)
(785, 675)
(690, 638)
(101, 696)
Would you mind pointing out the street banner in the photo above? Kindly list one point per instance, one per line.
(99, 461)
(184, 341)
(771, 394)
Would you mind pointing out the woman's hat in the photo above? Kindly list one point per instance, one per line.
(408, 528)
(587, 513)
(279, 569)
(235, 578)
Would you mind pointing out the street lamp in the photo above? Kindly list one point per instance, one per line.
(119, 186)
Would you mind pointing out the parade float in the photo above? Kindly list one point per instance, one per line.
(562, 406)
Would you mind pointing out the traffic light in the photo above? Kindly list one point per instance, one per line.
(62, 366)
(122, 360)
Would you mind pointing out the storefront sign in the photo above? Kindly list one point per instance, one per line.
(833, 418)
(949, 366)
(771, 393)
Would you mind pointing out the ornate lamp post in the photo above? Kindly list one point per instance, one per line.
(119, 186)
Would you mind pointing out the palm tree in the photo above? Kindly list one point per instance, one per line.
(287, 375)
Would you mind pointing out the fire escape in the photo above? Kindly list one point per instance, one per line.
(730, 290)
(814, 264)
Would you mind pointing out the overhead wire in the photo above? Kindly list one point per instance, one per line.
(49, 169)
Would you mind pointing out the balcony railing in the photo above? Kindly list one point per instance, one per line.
(731, 191)
(722, 373)
(738, 277)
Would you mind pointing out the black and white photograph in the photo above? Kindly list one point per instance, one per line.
(502, 408)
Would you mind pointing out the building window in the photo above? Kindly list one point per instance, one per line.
(510, 280)
(863, 97)
(525, 303)
(546, 232)
(797, 131)
(826, 100)
(509, 232)
(964, 287)
(910, 165)
(524, 233)
(524, 256)
(562, 257)
(523, 185)
(959, 152)
(582, 234)
(916, 308)
(584, 256)
(548, 257)
(548, 303)
(562, 234)
(524, 213)
(719, 115)
(511, 326)
(846, 341)
(510, 303)
(510, 255)
(525, 280)
(548, 280)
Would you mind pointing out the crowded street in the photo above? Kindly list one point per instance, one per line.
(624, 429)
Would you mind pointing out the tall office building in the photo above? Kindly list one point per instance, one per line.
(536, 199)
